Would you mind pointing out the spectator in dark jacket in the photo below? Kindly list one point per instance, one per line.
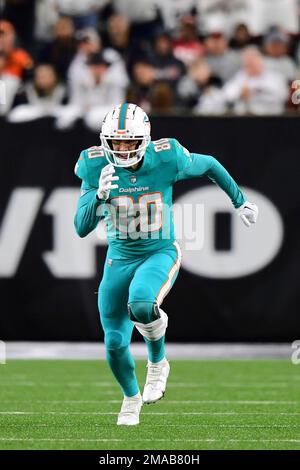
(201, 90)
(168, 68)
(241, 37)
(143, 80)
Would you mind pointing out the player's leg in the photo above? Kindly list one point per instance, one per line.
(117, 326)
(151, 283)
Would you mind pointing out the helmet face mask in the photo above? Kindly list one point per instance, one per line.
(126, 122)
(129, 155)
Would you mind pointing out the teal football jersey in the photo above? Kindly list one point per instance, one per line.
(138, 214)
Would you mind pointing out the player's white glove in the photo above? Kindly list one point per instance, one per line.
(105, 182)
(248, 212)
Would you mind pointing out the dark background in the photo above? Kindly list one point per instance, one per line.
(261, 153)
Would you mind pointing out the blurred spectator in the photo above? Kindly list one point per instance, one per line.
(46, 15)
(101, 89)
(143, 11)
(199, 87)
(119, 37)
(229, 13)
(263, 14)
(187, 46)
(241, 37)
(223, 61)
(61, 50)
(160, 44)
(21, 14)
(276, 46)
(84, 13)
(258, 15)
(118, 32)
(143, 17)
(173, 10)
(255, 89)
(40, 97)
(168, 68)
(9, 85)
(18, 61)
(140, 90)
(89, 42)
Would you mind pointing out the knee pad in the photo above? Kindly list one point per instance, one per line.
(142, 312)
(113, 340)
(156, 328)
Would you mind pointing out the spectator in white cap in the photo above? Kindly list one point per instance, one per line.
(101, 89)
(88, 42)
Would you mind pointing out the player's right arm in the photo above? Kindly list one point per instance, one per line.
(92, 198)
(88, 211)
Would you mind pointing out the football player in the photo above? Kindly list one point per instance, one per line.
(128, 181)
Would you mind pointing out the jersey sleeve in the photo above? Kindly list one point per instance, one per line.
(191, 165)
(89, 208)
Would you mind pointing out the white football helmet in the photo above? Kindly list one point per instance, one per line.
(125, 122)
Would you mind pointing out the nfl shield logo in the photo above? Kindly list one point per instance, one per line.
(133, 179)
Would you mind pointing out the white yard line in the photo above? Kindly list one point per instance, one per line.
(145, 425)
(164, 413)
(12, 439)
(61, 350)
(221, 402)
(166, 402)
(12, 383)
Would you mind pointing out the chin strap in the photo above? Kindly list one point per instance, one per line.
(129, 163)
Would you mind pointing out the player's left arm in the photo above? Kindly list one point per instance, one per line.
(190, 165)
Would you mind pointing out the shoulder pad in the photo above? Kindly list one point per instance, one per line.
(164, 149)
(89, 165)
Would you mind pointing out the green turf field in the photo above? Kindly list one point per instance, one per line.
(211, 404)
